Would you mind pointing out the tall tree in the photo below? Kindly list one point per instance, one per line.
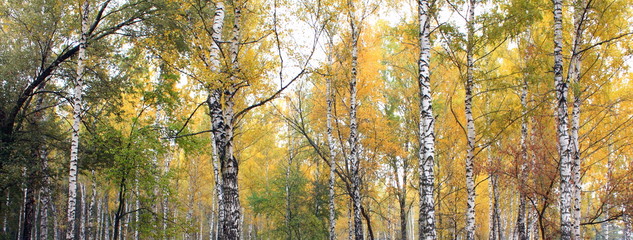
(426, 134)
(331, 142)
(573, 75)
(522, 230)
(470, 123)
(74, 148)
(562, 131)
(354, 147)
(212, 101)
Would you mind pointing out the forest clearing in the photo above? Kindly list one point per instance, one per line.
(316, 119)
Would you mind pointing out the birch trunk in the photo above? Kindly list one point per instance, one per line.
(353, 126)
(562, 125)
(82, 227)
(214, 102)
(576, 163)
(107, 221)
(426, 134)
(39, 152)
(45, 195)
(350, 222)
(125, 227)
(401, 196)
(74, 149)
(22, 206)
(521, 222)
(470, 126)
(492, 220)
(495, 191)
(533, 229)
(106, 226)
(222, 118)
(91, 208)
(56, 232)
(216, 116)
(97, 232)
(331, 148)
(580, 8)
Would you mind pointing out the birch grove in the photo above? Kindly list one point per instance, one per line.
(316, 119)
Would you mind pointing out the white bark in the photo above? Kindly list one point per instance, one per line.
(353, 125)
(215, 109)
(331, 147)
(45, 203)
(574, 76)
(562, 126)
(91, 208)
(22, 206)
(214, 101)
(82, 227)
(350, 222)
(107, 220)
(426, 133)
(74, 149)
(222, 119)
(45, 195)
(97, 233)
(470, 126)
(56, 234)
(521, 222)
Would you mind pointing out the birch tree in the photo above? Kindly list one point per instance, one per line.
(470, 123)
(522, 230)
(562, 118)
(573, 75)
(212, 101)
(426, 135)
(74, 149)
(354, 147)
(331, 142)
